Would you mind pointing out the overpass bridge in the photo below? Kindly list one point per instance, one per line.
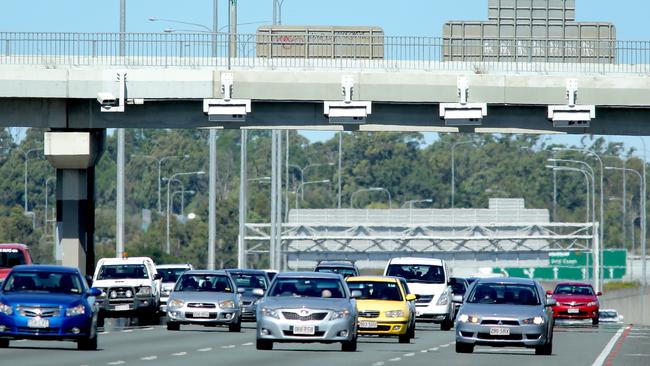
(70, 83)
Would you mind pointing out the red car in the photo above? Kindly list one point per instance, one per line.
(575, 300)
(12, 255)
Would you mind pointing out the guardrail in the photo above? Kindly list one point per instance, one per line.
(319, 52)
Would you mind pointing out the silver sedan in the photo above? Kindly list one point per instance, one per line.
(505, 312)
(307, 307)
(207, 298)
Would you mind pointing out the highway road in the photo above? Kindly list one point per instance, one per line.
(195, 346)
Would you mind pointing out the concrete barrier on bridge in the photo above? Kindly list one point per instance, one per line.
(631, 303)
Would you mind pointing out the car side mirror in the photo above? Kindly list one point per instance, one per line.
(458, 299)
(551, 302)
(258, 292)
(411, 297)
(94, 292)
(355, 294)
(157, 276)
(599, 293)
(549, 292)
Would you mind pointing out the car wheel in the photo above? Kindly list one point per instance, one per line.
(349, 346)
(411, 331)
(405, 338)
(235, 328)
(594, 321)
(545, 350)
(4, 343)
(88, 344)
(173, 326)
(464, 347)
(264, 345)
(446, 324)
(100, 321)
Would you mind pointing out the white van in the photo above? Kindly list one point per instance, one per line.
(428, 279)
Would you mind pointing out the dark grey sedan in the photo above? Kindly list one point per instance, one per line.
(502, 312)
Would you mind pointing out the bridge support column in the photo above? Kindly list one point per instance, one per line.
(74, 155)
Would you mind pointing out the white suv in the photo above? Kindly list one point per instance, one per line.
(130, 287)
(170, 273)
(428, 279)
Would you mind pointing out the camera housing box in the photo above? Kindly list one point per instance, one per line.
(220, 110)
(352, 112)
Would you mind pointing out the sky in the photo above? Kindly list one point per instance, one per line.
(396, 17)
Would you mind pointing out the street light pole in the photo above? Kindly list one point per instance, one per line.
(47, 183)
(168, 245)
(372, 189)
(340, 164)
(26, 158)
(159, 162)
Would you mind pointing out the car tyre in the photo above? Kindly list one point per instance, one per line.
(349, 346)
(405, 338)
(411, 331)
(545, 350)
(446, 324)
(235, 327)
(88, 344)
(173, 326)
(264, 345)
(595, 321)
(464, 347)
(100, 321)
(4, 343)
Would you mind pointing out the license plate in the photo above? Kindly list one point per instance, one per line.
(304, 330)
(499, 331)
(367, 325)
(202, 314)
(573, 311)
(38, 323)
(122, 307)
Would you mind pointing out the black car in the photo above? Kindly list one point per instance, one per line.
(252, 284)
(459, 286)
(344, 268)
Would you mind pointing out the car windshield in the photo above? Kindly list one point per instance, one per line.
(498, 293)
(458, 287)
(574, 290)
(607, 314)
(345, 271)
(249, 281)
(171, 274)
(376, 290)
(418, 272)
(43, 282)
(308, 287)
(11, 257)
(204, 283)
(122, 271)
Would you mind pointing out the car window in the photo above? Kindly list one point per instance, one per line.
(496, 293)
(122, 271)
(171, 274)
(417, 272)
(375, 290)
(204, 283)
(458, 287)
(43, 282)
(345, 271)
(249, 281)
(308, 287)
(574, 290)
(11, 257)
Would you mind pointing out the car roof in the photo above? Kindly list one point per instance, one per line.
(507, 280)
(336, 264)
(245, 271)
(13, 246)
(571, 283)
(129, 260)
(416, 261)
(308, 275)
(164, 266)
(390, 279)
(45, 268)
(206, 272)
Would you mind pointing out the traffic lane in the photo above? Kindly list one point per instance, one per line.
(124, 346)
(633, 349)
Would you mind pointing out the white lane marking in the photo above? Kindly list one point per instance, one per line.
(148, 358)
(608, 348)
(229, 346)
(103, 332)
(179, 354)
(247, 344)
(127, 331)
(21, 340)
(395, 359)
(148, 328)
(434, 348)
(409, 354)
(207, 349)
(378, 363)
(444, 345)
(116, 362)
(424, 351)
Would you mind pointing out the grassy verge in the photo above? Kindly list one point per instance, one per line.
(619, 285)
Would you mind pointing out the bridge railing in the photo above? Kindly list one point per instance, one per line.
(309, 51)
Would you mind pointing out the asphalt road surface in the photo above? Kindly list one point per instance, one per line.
(574, 345)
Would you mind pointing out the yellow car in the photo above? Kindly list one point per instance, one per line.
(384, 307)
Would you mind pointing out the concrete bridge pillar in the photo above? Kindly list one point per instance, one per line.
(74, 155)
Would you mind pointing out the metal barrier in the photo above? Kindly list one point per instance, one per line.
(367, 52)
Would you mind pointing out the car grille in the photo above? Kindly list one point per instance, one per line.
(120, 293)
(38, 331)
(199, 305)
(368, 314)
(511, 337)
(35, 311)
(533, 336)
(294, 316)
(247, 303)
(573, 304)
(499, 322)
(424, 299)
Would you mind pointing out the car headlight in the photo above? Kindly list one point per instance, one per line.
(464, 318)
(593, 303)
(538, 320)
(443, 299)
(175, 303)
(77, 310)
(340, 314)
(128, 293)
(6, 309)
(394, 314)
(269, 312)
(144, 291)
(113, 294)
(227, 304)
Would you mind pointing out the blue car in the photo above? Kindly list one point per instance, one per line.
(48, 303)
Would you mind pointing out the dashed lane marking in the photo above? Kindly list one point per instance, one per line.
(179, 354)
(445, 345)
(148, 358)
(395, 359)
(424, 351)
(127, 331)
(247, 344)
(378, 363)
(229, 346)
(434, 349)
(207, 349)
(116, 363)
(409, 354)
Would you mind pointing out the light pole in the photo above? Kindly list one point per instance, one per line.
(642, 198)
(453, 170)
(182, 193)
(623, 195)
(160, 160)
(302, 185)
(200, 172)
(277, 11)
(371, 189)
(26, 156)
(411, 202)
(595, 249)
(46, 221)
